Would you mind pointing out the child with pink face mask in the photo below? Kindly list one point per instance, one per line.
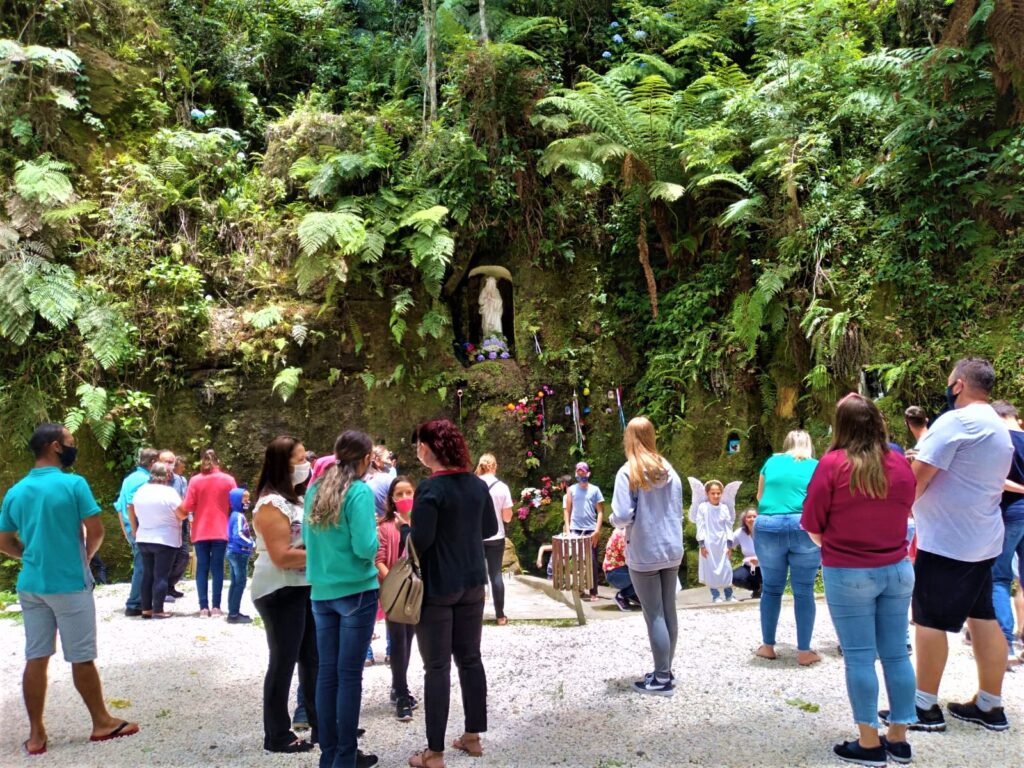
(392, 531)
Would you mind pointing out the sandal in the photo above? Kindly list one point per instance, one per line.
(124, 729)
(502, 621)
(809, 658)
(769, 655)
(427, 759)
(34, 752)
(470, 744)
(204, 613)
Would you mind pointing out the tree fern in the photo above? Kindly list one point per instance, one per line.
(106, 334)
(43, 181)
(346, 230)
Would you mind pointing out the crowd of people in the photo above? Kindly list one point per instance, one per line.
(932, 532)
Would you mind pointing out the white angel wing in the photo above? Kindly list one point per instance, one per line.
(699, 497)
(729, 495)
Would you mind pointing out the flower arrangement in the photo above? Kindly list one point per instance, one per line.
(494, 347)
(535, 498)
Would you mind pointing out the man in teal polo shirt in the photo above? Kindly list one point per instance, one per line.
(138, 478)
(41, 522)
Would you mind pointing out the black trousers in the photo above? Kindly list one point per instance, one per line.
(287, 617)
(400, 636)
(451, 626)
(157, 560)
(494, 554)
(747, 577)
(182, 558)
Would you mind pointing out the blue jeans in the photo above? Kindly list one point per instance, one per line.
(1002, 576)
(781, 546)
(134, 600)
(239, 563)
(715, 594)
(869, 610)
(209, 557)
(343, 630)
(619, 578)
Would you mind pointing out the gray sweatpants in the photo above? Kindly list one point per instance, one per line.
(657, 593)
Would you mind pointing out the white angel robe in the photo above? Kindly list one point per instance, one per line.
(714, 529)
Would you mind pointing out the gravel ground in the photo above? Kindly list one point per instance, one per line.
(558, 696)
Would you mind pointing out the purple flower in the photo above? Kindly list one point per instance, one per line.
(492, 355)
(617, 38)
(614, 25)
(606, 55)
(479, 358)
(504, 355)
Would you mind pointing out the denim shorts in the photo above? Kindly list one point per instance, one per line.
(72, 614)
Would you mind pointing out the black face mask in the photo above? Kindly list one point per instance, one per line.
(950, 398)
(68, 455)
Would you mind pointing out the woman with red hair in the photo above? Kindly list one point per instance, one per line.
(452, 514)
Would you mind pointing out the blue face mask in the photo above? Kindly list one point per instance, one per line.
(582, 479)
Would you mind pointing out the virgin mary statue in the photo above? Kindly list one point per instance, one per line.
(491, 307)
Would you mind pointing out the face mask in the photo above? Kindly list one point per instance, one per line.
(582, 479)
(950, 398)
(68, 455)
(403, 506)
(300, 472)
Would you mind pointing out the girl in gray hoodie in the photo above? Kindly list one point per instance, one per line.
(648, 503)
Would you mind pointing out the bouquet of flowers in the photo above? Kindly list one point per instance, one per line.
(494, 347)
(535, 498)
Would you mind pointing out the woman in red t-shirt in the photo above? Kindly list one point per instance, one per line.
(856, 510)
(208, 501)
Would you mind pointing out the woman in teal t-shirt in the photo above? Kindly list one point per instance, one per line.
(340, 533)
(782, 546)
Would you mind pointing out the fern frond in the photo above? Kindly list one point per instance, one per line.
(286, 383)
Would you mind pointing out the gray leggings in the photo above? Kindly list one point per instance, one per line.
(657, 593)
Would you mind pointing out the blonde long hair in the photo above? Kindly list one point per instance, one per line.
(330, 490)
(798, 444)
(646, 466)
(486, 464)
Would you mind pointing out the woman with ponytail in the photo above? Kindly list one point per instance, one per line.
(340, 534)
(280, 591)
(648, 503)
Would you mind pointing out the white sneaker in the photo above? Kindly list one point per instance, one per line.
(716, 600)
(731, 600)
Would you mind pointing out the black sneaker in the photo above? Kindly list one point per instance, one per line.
(853, 752)
(364, 760)
(239, 618)
(651, 685)
(403, 709)
(994, 719)
(928, 720)
(622, 602)
(899, 751)
(132, 611)
(169, 598)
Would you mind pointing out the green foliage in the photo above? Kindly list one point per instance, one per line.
(286, 383)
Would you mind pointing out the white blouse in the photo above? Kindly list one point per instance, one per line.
(267, 577)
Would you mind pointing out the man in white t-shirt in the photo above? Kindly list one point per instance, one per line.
(960, 468)
(494, 547)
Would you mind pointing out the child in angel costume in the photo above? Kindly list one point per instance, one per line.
(713, 511)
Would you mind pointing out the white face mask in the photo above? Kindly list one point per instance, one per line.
(300, 472)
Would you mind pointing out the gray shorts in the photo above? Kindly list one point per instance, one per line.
(73, 614)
